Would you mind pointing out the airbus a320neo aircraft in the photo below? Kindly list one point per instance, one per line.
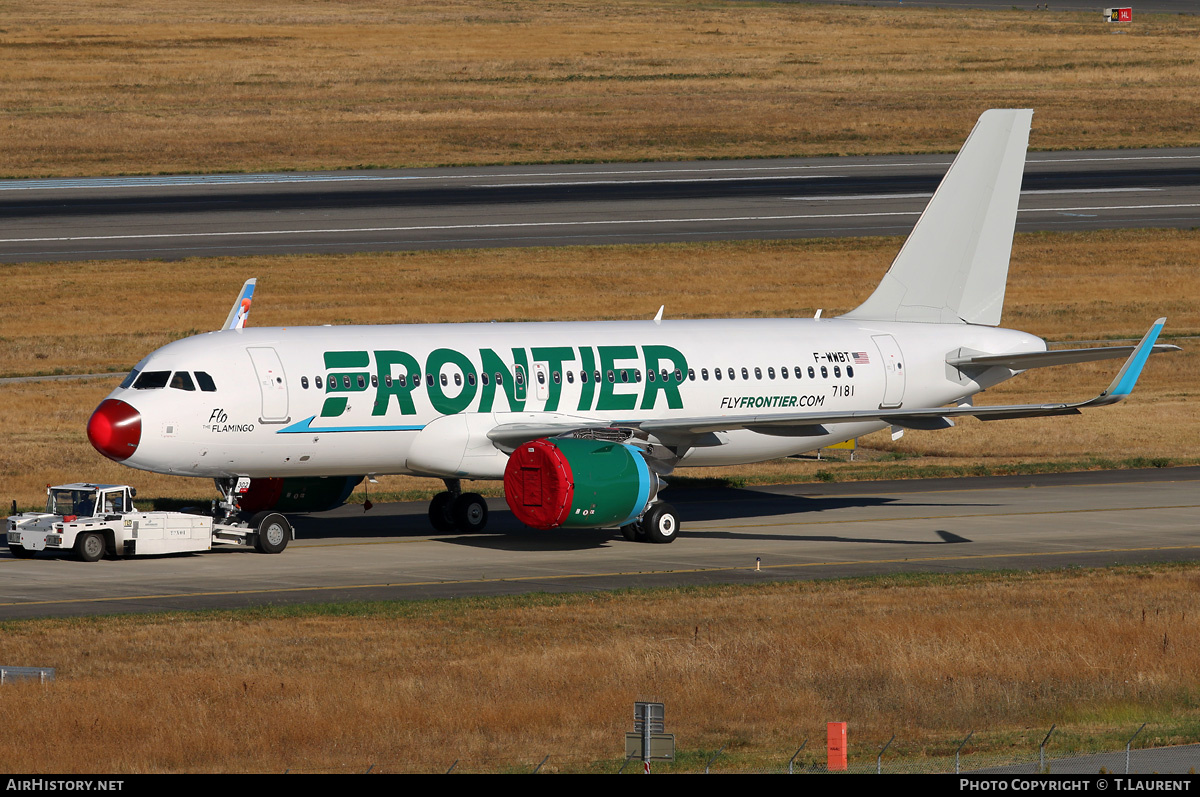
(581, 420)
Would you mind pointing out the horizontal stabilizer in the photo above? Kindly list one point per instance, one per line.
(1044, 359)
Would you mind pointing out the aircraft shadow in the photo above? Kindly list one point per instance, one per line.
(504, 532)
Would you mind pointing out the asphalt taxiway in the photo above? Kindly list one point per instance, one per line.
(180, 216)
(802, 531)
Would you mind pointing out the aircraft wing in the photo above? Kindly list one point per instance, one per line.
(813, 423)
(699, 430)
(1043, 359)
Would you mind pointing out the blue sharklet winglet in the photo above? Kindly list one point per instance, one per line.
(241, 308)
(1122, 384)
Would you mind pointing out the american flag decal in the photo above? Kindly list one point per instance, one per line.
(861, 358)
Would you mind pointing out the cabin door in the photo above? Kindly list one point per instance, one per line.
(893, 371)
(272, 383)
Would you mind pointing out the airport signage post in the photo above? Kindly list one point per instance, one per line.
(648, 741)
(1118, 14)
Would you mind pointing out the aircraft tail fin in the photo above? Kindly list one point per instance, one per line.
(954, 265)
(241, 308)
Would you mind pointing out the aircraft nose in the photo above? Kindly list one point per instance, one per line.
(115, 429)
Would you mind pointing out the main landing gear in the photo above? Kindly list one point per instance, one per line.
(660, 525)
(455, 510)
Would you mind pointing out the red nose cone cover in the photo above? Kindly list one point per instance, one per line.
(538, 484)
(115, 429)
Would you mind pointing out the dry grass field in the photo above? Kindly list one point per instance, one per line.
(1085, 286)
(499, 683)
(102, 88)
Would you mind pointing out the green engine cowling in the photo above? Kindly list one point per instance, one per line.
(582, 484)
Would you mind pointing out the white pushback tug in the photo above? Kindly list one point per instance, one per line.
(95, 519)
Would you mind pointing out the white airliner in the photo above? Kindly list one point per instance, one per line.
(581, 420)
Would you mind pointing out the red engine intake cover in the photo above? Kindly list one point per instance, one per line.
(538, 485)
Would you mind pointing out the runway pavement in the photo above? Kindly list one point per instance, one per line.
(183, 216)
(805, 531)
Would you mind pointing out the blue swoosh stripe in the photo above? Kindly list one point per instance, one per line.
(305, 426)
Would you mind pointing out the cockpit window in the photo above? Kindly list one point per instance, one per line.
(182, 381)
(152, 380)
(128, 380)
(206, 383)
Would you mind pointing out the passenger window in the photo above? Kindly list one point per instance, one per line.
(570, 377)
(541, 377)
(637, 375)
(650, 374)
(664, 374)
(596, 375)
(152, 380)
(457, 379)
(799, 373)
(745, 374)
(691, 374)
(484, 378)
(346, 381)
(403, 380)
(557, 379)
(500, 378)
(717, 373)
(731, 375)
(444, 380)
(387, 380)
(471, 379)
(850, 371)
(583, 377)
(182, 381)
(316, 381)
(428, 380)
(758, 373)
(811, 373)
(837, 371)
(783, 372)
(374, 380)
(304, 382)
(824, 372)
(678, 376)
(611, 378)
(704, 374)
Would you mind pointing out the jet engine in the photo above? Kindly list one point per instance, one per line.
(575, 483)
(312, 494)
